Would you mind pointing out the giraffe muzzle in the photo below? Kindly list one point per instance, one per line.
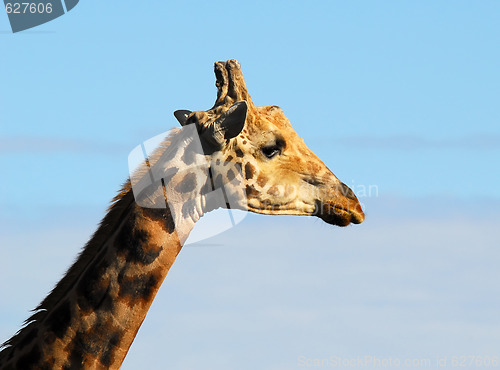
(340, 213)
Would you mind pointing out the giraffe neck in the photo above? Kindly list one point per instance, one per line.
(94, 322)
(93, 314)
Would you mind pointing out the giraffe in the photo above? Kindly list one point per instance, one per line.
(92, 315)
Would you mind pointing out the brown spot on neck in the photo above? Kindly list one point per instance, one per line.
(187, 185)
(135, 245)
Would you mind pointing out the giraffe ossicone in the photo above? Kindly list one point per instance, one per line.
(251, 154)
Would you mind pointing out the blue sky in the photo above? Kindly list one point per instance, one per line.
(402, 96)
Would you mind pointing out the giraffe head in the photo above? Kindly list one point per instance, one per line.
(280, 174)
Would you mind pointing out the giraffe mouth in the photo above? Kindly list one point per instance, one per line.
(340, 215)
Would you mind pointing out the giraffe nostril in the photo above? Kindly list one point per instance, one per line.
(313, 181)
(347, 192)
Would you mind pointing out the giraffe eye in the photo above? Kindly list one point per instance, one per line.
(271, 151)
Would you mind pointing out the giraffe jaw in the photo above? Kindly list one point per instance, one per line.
(257, 207)
(331, 213)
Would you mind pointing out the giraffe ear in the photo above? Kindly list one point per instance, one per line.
(227, 126)
(182, 116)
(232, 121)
